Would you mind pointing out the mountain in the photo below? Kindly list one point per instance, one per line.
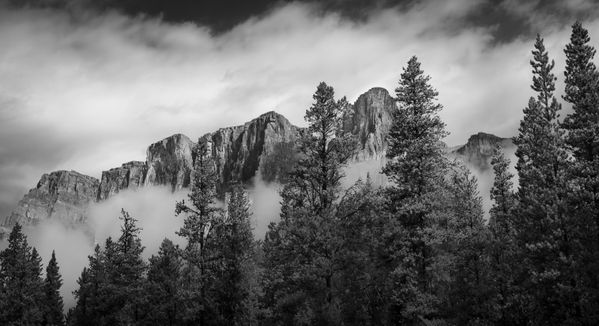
(478, 150)
(369, 120)
(62, 195)
(264, 147)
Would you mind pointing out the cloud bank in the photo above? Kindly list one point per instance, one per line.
(91, 91)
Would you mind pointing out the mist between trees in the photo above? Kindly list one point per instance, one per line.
(411, 247)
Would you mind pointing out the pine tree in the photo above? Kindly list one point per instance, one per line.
(20, 280)
(582, 126)
(202, 217)
(468, 298)
(544, 230)
(52, 300)
(503, 250)
(301, 251)
(110, 287)
(236, 247)
(126, 276)
(163, 286)
(415, 167)
(88, 310)
(360, 283)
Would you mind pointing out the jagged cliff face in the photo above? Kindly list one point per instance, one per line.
(62, 195)
(238, 151)
(369, 121)
(129, 175)
(265, 145)
(478, 150)
(169, 162)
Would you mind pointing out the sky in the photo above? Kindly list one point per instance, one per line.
(87, 85)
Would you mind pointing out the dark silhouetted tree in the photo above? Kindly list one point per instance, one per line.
(21, 285)
(53, 305)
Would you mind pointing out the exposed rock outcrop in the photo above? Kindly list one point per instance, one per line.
(169, 162)
(478, 150)
(369, 121)
(129, 175)
(264, 145)
(62, 195)
(238, 151)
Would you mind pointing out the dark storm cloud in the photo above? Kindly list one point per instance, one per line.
(509, 19)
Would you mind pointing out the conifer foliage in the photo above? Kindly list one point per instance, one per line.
(416, 251)
(544, 227)
(21, 285)
(53, 305)
(416, 168)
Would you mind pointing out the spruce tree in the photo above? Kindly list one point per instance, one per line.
(544, 230)
(53, 305)
(236, 273)
(467, 300)
(110, 287)
(503, 250)
(163, 286)
(20, 281)
(202, 217)
(416, 166)
(582, 126)
(301, 251)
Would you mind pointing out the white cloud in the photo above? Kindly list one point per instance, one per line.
(88, 94)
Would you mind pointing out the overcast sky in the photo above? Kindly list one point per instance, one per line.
(88, 85)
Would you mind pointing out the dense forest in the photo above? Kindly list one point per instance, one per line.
(417, 251)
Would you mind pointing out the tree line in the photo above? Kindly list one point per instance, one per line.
(417, 251)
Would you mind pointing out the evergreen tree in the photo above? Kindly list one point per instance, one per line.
(467, 299)
(21, 285)
(236, 247)
(582, 126)
(302, 259)
(162, 288)
(360, 228)
(544, 230)
(52, 300)
(110, 287)
(92, 279)
(503, 250)
(416, 166)
(201, 258)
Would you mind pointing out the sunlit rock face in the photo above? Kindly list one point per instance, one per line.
(129, 175)
(369, 120)
(169, 162)
(238, 151)
(63, 195)
(478, 150)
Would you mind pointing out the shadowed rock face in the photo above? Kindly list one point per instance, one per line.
(129, 175)
(369, 121)
(62, 195)
(238, 151)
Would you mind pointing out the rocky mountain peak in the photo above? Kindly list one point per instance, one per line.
(479, 149)
(169, 162)
(238, 151)
(369, 119)
(62, 195)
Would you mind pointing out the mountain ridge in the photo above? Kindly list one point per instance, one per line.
(263, 145)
